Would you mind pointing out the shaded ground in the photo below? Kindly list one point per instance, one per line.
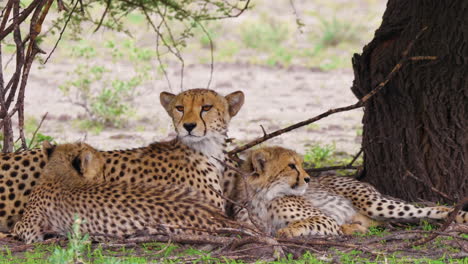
(390, 245)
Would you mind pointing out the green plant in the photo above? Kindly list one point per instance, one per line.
(107, 100)
(88, 125)
(227, 50)
(280, 56)
(332, 63)
(334, 31)
(318, 155)
(264, 35)
(374, 231)
(77, 243)
(32, 141)
(426, 226)
(359, 132)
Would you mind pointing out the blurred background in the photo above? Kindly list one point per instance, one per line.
(291, 59)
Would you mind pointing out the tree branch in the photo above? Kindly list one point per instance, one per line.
(358, 104)
(348, 166)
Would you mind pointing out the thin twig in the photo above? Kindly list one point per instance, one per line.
(172, 39)
(241, 11)
(174, 50)
(158, 54)
(348, 166)
(37, 129)
(241, 205)
(247, 191)
(211, 53)
(108, 4)
(61, 32)
(299, 23)
(448, 221)
(333, 168)
(263, 130)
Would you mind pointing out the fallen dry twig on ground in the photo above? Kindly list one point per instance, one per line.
(448, 221)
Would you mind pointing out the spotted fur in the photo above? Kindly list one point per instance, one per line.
(187, 160)
(278, 185)
(73, 185)
(375, 205)
(329, 205)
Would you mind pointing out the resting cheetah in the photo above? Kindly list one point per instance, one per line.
(330, 205)
(201, 118)
(72, 185)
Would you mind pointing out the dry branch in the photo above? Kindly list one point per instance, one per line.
(61, 32)
(448, 221)
(348, 166)
(37, 129)
(247, 190)
(358, 104)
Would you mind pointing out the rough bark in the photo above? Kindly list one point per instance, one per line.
(419, 123)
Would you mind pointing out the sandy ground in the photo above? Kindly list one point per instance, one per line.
(275, 98)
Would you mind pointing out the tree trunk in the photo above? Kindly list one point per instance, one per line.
(417, 126)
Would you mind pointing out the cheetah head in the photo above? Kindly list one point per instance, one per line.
(276, 172)
(201, 117)
(72, 163)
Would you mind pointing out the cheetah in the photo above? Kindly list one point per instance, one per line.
(371, 203)
(73, 185)
(293, 204)
(200, 117)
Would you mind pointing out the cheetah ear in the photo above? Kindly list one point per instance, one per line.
(47, 148)
(258, 161)
(83, 163)
(166, 99)
(235, 101)
(91, 166)
(87, 158)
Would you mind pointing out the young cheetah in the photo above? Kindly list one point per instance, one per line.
(293, 204)
(73, 185)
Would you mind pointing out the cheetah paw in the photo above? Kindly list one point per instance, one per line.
(350, 229)
(287, 232)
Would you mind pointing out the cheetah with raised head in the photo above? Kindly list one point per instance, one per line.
(293, 204)
(73, 184)
(201, 118)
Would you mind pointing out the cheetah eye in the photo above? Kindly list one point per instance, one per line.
(206, 107)
(180, 108)
(292, 166)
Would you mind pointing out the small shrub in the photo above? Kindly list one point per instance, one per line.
(107, 99)
(334, 31)
(319, 155)
(77, 244)
(264, 36)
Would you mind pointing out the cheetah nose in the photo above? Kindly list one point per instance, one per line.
(189, 126)
(307, 179)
